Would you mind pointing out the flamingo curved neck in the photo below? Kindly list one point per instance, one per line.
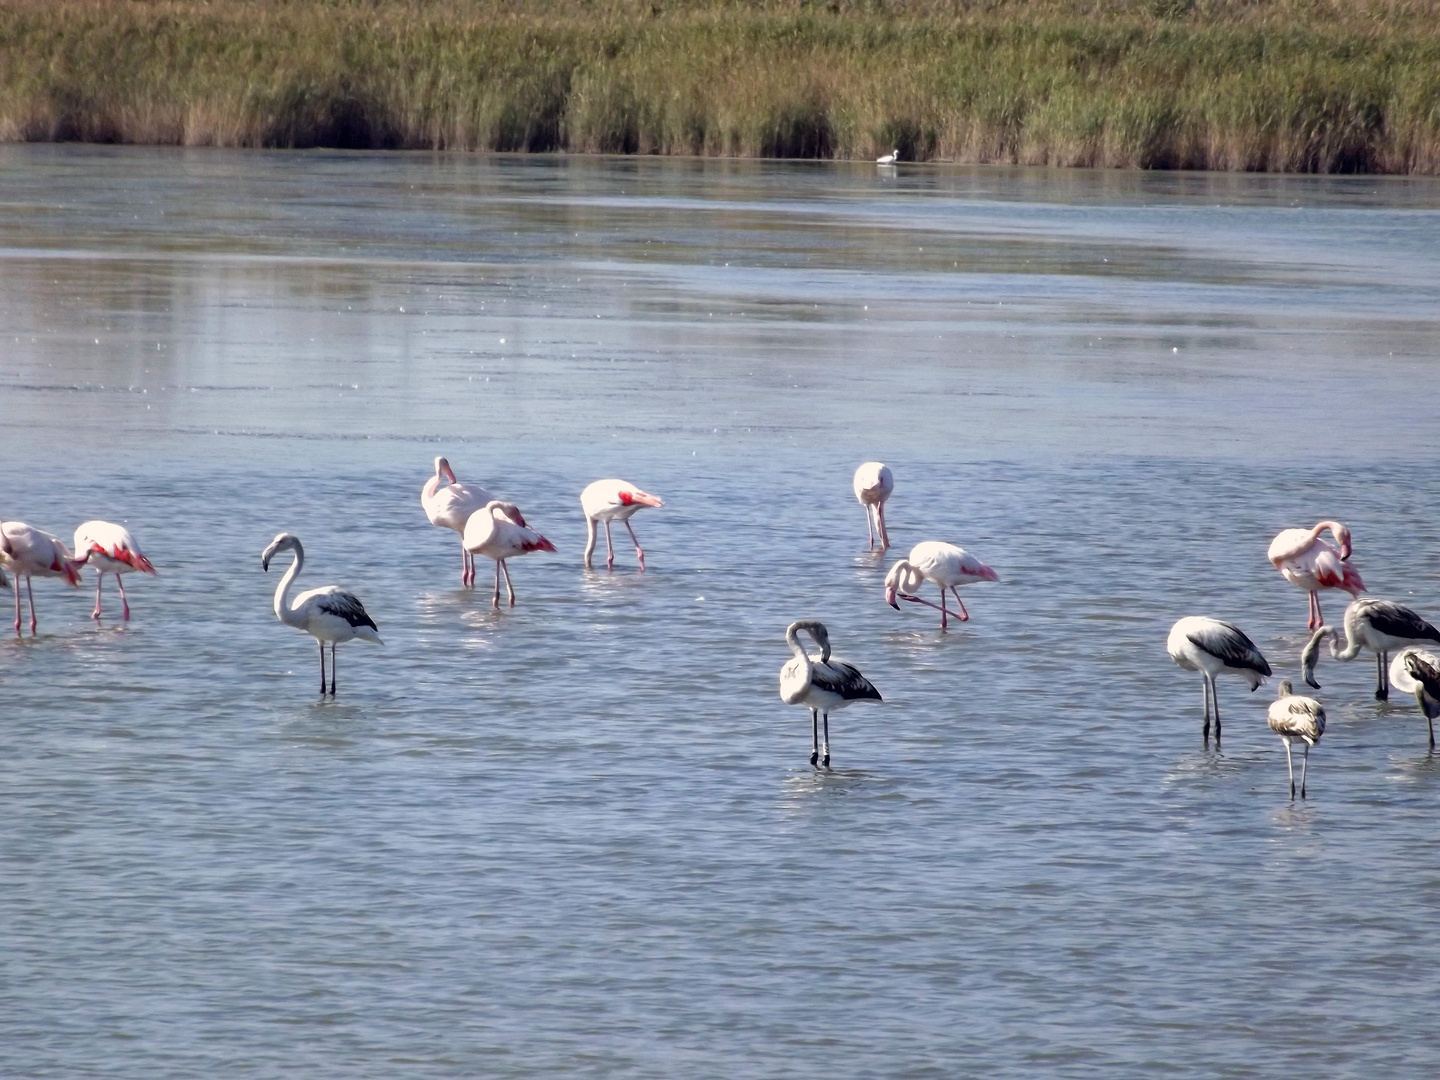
(283, 610)
(1351, 648)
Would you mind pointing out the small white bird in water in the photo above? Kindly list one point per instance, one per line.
(822, 684)
(888, 159)
(1417, 671)
(1209, 646)
(328, 613)
(872, 485)
(1294, 717)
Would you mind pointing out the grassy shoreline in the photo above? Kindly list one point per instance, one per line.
(1269, 85)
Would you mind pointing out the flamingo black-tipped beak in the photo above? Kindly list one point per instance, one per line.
(890, 599)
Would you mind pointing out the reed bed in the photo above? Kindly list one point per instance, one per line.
(1271, 85)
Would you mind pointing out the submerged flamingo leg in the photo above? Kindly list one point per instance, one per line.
(495, 600)
(814, 736)
(609, 548)
(99, 580)
(124, 600)
(825, 760)
(30, 592)
(322, 667)
(639, 554)
(508, 587)
(332, 666)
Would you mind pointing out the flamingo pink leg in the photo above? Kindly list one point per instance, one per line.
(124, 600)
(464, 566)
(869, 527)
(16, 586)
(964, 615)
(609, 549)
(495, 600)
(639, 554)
(508, 587)
(99, 580)
(938, 607)
(30, 592)
(880, 521)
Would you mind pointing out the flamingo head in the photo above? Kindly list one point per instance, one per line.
(637, 497)
(900, 579)
(282, 542)
(442, 469)
(1342, 537)
(986, 574)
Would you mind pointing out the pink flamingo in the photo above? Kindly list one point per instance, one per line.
(613, 500)
(111, 550)
(946, 565)
(872, 485)
(450, 507)
(498, 531)
(30, 552)
(1313, 564)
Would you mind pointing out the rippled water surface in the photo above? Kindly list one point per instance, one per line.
(583, 837)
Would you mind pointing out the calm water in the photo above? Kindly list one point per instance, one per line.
(583, 837)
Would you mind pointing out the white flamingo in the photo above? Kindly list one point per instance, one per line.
(1382, 626)
(821, 685)
(111, 550)
(613, 500)
(450, 507)
(1312, 564)
(1417, 671)
(497, 531)
(328, 613)
(946, 565)
(1294, 717)
(873, 484)
(1212, 647)
(30, 552)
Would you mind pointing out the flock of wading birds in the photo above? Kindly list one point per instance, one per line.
(497, 529)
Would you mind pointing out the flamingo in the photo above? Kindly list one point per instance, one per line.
(873, 484)
(888, 159)
(498, 531)
(111, 550)
(1313, 564)
(1294, 717)
(1212, 647)
(31, 552)
(1417, 671)
(821, 685)
(1381, 626)
(450, 507)
(613, 500)
(946, 565)
(328, 613)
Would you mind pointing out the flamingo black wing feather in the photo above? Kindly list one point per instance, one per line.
(347, 606)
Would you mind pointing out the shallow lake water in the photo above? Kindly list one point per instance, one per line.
(582, 836)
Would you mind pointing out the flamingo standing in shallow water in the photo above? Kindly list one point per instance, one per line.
(450, 507)
(328, 613)
(498, 531)
(613, 500)
(1313, 564)
(1211, 647)
(873, 484)
(1382, 626)
(821, 685)
(1417, 671)
(1294, 717)
(946, 565)
(111, 550)
(30, 552)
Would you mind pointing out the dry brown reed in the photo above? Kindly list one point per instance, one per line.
(1279, 85)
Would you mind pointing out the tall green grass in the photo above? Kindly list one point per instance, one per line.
(1280, 85)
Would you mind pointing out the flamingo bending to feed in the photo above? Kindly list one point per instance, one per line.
(613, 500)
(111, 550)
(1417, 671)
(821, 685)
(450, 507)
(873, 484)
(946, 565)
(1382, 626)
(1212, 647)
(498, 531)
(1313, 564)
(31, 552)
(328, 613)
